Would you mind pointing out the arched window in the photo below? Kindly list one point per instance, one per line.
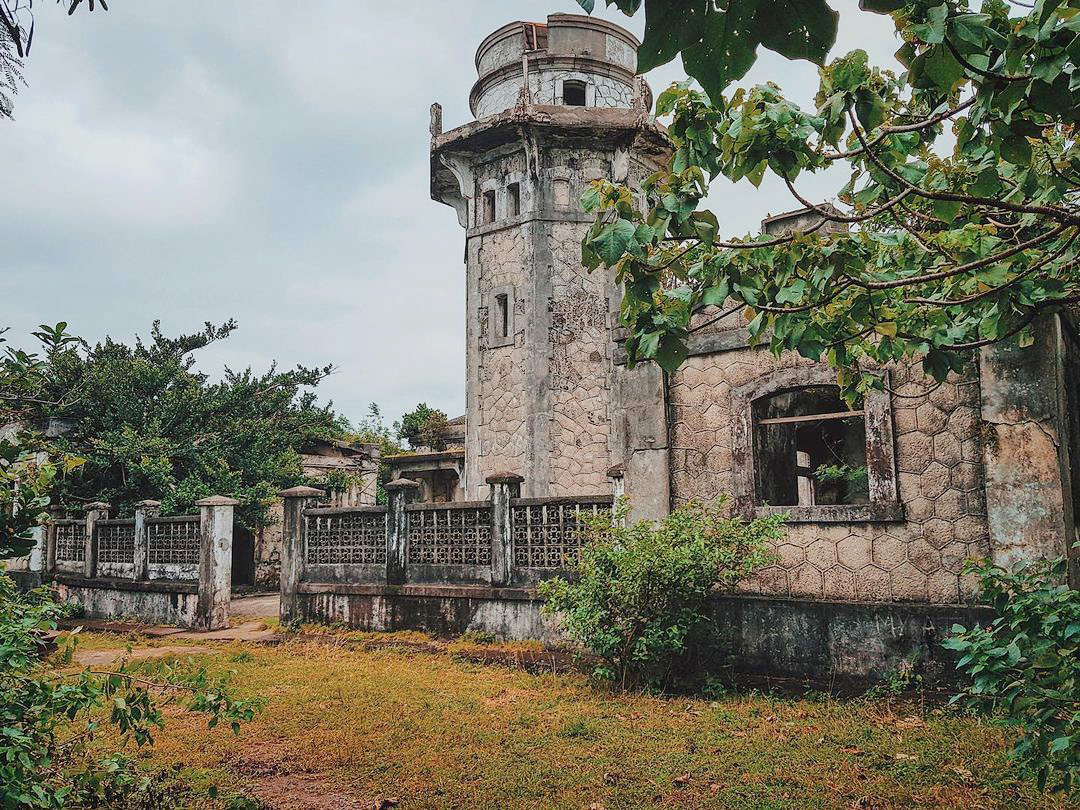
(573, 93)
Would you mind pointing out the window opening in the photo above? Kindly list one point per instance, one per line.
(810, 449)
(561, 191)
(573, 93)
(502, 315)
(489, 207)
(513, 199)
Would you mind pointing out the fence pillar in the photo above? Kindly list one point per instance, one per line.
(400, 492)
(503, 486)
(94, 512)
(141, 559)
(55, 513)
(296, 500)
(215, 562)
(617, 475)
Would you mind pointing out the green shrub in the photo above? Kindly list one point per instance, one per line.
(1025, 667)
(50, 717)
(640, 597)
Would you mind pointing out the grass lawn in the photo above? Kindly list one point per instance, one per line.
(345, 726)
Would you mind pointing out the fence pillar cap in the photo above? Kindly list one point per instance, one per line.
(617, 471)
(218, 500)
(504, 478)
(97, 506)
(302, 492)
(402, 483)
(148, 504)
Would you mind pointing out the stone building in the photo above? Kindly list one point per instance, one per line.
(557, 105)
(885, 503)
(350, 471)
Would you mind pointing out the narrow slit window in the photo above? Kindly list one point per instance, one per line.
(513, 199)
(810, 449)
(502, 315)
(489, 207)
(573, 93)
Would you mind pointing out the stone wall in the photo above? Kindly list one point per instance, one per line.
(604, 91)
(940, 476)
(540, 398)
(579, 347)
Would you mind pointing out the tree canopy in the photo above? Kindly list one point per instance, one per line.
(16, 37)
(149, 425)
(959, 216)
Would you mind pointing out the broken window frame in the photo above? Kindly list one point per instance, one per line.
(883, 494)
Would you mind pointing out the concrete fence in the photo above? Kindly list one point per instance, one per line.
(171, 570)
(375, 566)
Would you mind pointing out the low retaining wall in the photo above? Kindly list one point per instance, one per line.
(509, 614)
(157, 602)
(813, 640)
(823, 640)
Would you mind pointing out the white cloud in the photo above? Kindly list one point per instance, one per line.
(200, 161)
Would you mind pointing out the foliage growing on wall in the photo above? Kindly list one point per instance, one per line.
(424, 427)
(1024, 668)
(151, 426)
(640, 600)
(372, 429)
(946, 245)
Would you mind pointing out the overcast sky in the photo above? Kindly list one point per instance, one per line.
(252, 160)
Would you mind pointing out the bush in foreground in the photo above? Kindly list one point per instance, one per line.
(50, 716)
(640, 595)
(1025, 667)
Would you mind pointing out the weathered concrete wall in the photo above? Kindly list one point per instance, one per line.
(755, 635)
(268, 549)
(842, 640)
(509, 614)
(159, 602)
(938, 456)
(1029, 508)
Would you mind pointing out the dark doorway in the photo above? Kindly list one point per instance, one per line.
(243, 557)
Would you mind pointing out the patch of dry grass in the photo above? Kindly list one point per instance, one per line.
(439, 733)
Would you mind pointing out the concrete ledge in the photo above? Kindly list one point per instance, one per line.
(436, 591)
(116, 584)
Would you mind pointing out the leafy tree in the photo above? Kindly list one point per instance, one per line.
(424, 427)
(640, 596)
(960, 221)
(50, 714)
(16, 37)
(1024, 668)
(150, 426)
(28, 465)
(373, 429)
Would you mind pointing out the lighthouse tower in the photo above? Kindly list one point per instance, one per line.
(556, 106)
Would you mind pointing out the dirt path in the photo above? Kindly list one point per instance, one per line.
(279, 788)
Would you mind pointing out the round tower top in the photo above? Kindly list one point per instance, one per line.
(573, 60)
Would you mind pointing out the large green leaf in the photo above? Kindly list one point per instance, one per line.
(613, 240)
(718, 39)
